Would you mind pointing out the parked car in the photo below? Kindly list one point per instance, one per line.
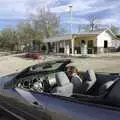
(29, 95)
(34, 55)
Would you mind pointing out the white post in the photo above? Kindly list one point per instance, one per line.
(64, 47)
(72, 46)
(57, 47)
(68, 49)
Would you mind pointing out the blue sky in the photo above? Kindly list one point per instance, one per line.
(105, 11)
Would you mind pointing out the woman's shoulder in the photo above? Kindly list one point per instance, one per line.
(76, 78)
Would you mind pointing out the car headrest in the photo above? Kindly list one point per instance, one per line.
(90, 76)
(89, 80)
(61, 79)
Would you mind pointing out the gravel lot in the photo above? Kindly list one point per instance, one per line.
(111, 64)
(11, 63)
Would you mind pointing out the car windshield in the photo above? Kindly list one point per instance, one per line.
(46, 67)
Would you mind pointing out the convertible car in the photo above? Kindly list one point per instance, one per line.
(44, 92)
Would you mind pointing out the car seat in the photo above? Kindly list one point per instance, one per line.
(89, 80)
(64, 87)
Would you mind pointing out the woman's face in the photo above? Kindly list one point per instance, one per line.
(70, 71)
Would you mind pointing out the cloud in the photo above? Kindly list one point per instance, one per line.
(77, 5)
(75, 21)
(106, 11)
(86, 7)
(83, 10)
(12, 9)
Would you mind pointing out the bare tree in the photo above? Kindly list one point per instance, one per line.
(26, 33)
(46, 23)
(93, 25)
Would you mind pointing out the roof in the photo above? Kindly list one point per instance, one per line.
(70, 36)
(93, 33)
(58, 38)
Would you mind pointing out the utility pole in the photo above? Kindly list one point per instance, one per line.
(70, 9)
(79, 28)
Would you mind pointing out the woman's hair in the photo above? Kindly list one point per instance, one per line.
(72, 69)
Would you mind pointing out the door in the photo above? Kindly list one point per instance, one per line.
(25, 104)
(105, 46)
(83, 47)
(90, 47)
(64, 109)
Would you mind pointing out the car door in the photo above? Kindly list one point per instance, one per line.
(61, 108)
(23, 103)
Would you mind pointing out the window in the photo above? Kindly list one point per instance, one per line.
(90, 43)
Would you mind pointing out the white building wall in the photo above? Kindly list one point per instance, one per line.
(103, 37)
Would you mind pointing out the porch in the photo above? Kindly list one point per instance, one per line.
(76, 45)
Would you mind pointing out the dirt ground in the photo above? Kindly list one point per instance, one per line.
(111, 64)
(11, 63)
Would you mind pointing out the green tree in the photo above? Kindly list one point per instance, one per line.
(114, 29)
(43, 25)
(8, 38)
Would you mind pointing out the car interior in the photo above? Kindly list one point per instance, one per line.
(94, 85)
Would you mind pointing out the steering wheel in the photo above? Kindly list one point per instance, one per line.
(38, 86)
